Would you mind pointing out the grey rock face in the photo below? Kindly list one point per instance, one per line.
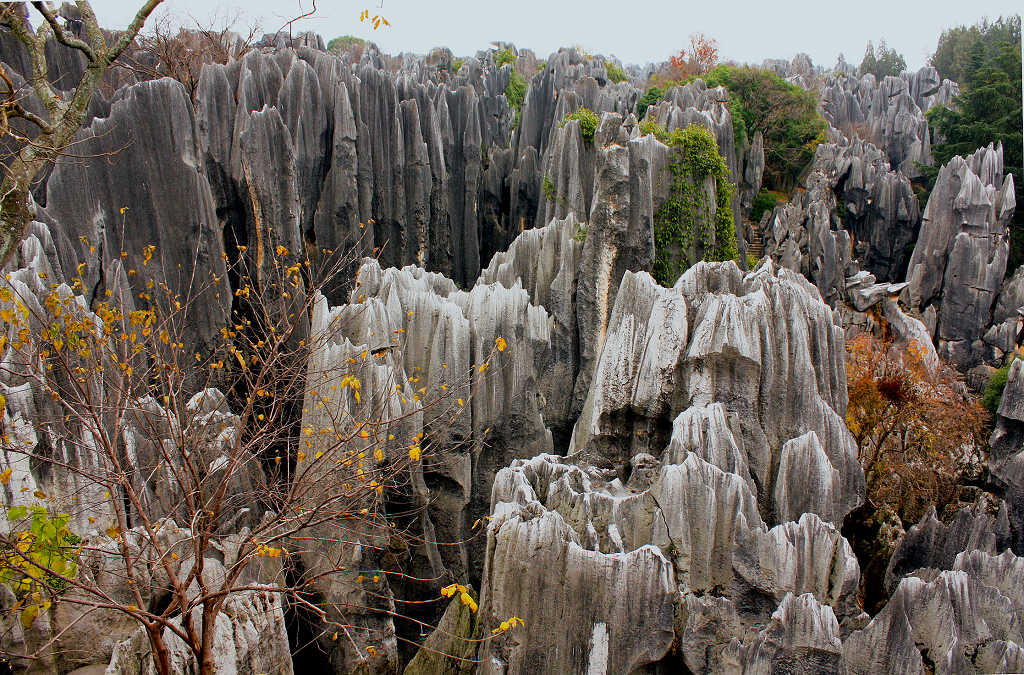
(931, 544)
(882, 210)
(166, 199)
(753, 171)
(889, 113)
(958, 264)
(1006, 462)
(439, 345)
(685, 499)
(806, 236)
(955, 624)
(802, 636)
(703, 520)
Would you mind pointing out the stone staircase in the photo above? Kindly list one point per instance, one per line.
(755, 244)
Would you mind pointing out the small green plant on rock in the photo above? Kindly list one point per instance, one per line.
(588, 120)
(615, 73)
(651, 97)
(515, 93)
(504, 56)
(549, 189)
(993, 395)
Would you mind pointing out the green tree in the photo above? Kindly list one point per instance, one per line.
(785, 114)
(988, 110)
(884, 61)
(343, 42)
(953, 53)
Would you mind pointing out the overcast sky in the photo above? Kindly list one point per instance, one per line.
(636, 32)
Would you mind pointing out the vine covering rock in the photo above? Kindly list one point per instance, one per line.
(687, 227)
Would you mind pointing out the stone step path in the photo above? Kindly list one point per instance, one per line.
(755, 245)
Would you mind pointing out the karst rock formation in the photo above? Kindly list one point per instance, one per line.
(655, 479)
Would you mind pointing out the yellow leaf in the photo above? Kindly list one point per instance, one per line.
(28, 615)
(501, 344)
(5, 477)
(113, 532)
(39, 494)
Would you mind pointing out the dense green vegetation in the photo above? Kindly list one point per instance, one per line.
(343, 42)
(683, 226)
(457, 65)
(651, 97)
(504, 56)
(993, 395)
(784, 113)
(615, 74)
(588, 120)
(953, 56)
(766, 200)
(515, 93)
(987, 59)
(884, 61)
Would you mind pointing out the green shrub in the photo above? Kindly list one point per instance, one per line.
(752, 260)
(615, 74)
(457, 65)
(542, 65)
(766, 200)
(588, 120)
(515, 93)
(681, 222)
(549, 190)
(45, 554)
(993, 395)
(650, 97)
(343, 42)
(504, 56)
(786, 115)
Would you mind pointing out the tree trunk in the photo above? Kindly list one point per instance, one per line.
(206, 662)
(161, 655)
(15, 215)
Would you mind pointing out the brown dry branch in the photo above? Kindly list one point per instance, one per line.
(299, 464)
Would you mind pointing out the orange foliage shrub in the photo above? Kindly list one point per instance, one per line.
(918, 430)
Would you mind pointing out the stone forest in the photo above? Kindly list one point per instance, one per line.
(317, 359)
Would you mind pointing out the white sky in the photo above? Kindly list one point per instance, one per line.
(636, 32)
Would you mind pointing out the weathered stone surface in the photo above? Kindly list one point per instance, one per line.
(145, 159)
(882, 211)
(953, 624)
(623, 602)
(889, 113)
(931, 544)
(802, 637)
(702, 519)
(958, 264)
(806, 236)
(1006, 461)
